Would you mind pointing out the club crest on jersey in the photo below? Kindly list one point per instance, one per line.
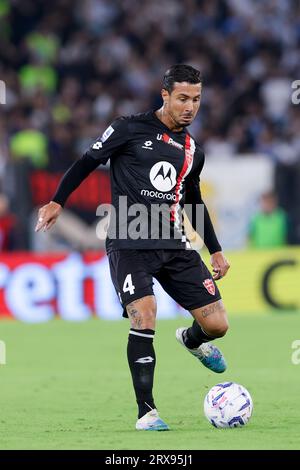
(209, 286)
(168, 140)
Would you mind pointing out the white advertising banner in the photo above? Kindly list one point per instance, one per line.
(231, 188)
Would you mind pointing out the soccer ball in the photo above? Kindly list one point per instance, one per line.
(228, 405)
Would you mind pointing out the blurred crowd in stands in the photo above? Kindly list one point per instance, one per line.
(71, 66)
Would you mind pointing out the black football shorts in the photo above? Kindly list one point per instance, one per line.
(181, 273)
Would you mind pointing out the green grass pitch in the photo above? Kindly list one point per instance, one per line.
(67, 386)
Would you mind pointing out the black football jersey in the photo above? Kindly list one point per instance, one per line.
(151, 168)
(154, 173)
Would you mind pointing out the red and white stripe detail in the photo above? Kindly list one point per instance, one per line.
(189, 148)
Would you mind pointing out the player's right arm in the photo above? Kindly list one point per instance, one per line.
(98, 153)
(194, 197)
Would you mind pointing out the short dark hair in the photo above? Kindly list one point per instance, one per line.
(180, 73)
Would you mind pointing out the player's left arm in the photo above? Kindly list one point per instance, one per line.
(99, 152)
(193, 196)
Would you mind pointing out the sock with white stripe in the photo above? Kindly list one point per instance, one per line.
(141, 360)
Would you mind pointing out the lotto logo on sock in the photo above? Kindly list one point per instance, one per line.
(144, 360)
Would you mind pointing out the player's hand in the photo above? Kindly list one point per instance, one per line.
(220, 265)
(47, 216)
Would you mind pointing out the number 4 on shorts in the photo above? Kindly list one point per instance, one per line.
(128, 285)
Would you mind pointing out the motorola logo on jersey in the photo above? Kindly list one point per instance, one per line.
(163, 176)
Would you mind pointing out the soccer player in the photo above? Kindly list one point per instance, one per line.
(154, 159)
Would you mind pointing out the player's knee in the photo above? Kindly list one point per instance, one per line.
(221, 331)
(218, 330)
(148, 319)
(142, 313)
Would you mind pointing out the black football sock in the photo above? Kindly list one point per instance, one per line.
(141, 360)
(194, 336)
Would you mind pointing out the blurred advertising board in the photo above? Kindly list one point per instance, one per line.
(39, 287)
(231, 188)
(262, 280)
(93, 191)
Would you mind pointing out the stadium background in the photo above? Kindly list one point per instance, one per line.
(67, 69)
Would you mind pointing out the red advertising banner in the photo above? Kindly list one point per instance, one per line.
(39, 287)
(93, 191)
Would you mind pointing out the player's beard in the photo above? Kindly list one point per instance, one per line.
(185, 124)
(178, 123)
